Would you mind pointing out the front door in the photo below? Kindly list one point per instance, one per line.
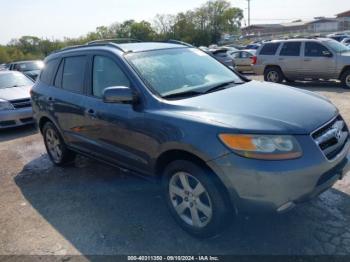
(318, 62)
(114, 130)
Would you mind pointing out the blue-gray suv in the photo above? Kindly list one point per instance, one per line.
(219, 143)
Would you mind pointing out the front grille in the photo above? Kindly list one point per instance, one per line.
(332, 137)
(21, 103)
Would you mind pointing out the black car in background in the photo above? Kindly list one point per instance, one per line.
(29, 68)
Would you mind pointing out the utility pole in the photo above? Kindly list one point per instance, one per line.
(248, 12)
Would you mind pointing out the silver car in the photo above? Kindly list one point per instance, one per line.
(304, 59)
(243, 60)
(15, 103)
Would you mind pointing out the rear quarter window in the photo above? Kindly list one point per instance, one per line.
(74, 73)
(269, 49)
(48, 72)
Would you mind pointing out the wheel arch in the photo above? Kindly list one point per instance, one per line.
(45, 119)
(179, 154)
(272, 66)
(346, 68)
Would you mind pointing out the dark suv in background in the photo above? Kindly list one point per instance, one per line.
(219, 143)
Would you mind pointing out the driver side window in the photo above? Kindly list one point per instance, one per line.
(106, 73)
(315, 50)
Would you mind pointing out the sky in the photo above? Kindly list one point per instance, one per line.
(55, 19)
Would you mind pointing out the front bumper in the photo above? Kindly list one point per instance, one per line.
(258, 186)
(15, 118)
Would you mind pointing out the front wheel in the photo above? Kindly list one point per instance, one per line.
(274, 75)
(56, 149)
(345, 79)
(195, 200)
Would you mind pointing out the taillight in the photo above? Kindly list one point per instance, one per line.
(254, 60)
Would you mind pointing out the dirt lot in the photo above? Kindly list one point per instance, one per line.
(93, 209)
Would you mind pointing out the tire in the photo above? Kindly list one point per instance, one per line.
(289, 80)
(56, 149)
(345, 79)
(211, 206)
(274, 75)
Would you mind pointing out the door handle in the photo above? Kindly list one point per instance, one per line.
(92, 113)
(280, 59)
(307, 60)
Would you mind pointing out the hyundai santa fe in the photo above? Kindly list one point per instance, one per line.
(219, 144)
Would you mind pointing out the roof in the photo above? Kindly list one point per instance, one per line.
(299, 39)
(124, 48)
(21, 62)
(148, 46)
(344, 14)
(324, 20)
(293, 24)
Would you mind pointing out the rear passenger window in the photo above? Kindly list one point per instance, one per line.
(73, 74)
(313, 49)
(48, 72)
(291, 49)
(269, 49)
(106, 73)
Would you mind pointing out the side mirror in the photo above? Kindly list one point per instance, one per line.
(119, 95)
(327, 54)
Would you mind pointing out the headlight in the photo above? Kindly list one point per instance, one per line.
(5, 105)
(267, 147)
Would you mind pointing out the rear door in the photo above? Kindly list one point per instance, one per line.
(290, 59)
(318, 61)
(68, 103)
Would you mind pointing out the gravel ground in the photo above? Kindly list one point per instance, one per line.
(93, 209)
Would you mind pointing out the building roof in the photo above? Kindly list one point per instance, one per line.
(344, 14)
(291, 24)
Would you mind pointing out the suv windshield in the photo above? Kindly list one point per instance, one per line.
(13, 79)
(337, 47)
(181, 71)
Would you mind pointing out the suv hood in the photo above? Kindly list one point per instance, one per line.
(260, 107)
(14, 93)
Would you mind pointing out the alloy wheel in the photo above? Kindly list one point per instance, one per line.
(272, 76)
(54, 145)
(190, 200)
(347, 81)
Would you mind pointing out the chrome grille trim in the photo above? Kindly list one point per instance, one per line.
(332, 137)
(21, 103)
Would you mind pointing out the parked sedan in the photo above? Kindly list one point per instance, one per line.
(243, 60)
(29, 68)
(15, 103)
(222, 54)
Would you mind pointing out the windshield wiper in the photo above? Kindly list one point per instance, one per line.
(183, 94)
(221, 87)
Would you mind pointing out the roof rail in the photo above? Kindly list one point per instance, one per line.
(172, 41)
(115, 41)
(90, 44)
